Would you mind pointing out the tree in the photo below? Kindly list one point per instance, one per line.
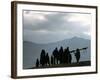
(42, 58)
(37, 63)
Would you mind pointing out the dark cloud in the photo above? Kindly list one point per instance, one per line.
(53, 25)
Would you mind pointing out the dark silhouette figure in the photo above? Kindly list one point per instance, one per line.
(55, 54)
(47, 60)
(77, 55)
(67, 56)
(42, 58)
(52, 60)
(37, 63)
(61, 55)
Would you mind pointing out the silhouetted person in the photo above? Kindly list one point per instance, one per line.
(61, 55)
(55, 54)
(47, 59)
(37, 63)
(42, 58)
(67, 56)
(52, 60)
(77, 55)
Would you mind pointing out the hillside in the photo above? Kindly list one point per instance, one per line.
(31, 51)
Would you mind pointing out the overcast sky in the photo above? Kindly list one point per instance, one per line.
(48, 27)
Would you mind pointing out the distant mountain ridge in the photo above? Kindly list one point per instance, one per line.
(73, 38)
(31, 51)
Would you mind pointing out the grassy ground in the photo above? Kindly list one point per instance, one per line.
(82, 63)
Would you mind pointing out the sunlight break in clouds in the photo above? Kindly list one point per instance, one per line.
(83, 18)
(48, 27)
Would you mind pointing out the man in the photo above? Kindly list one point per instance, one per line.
(37, 63)
(77, 55)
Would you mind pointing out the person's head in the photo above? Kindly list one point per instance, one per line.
(77, 50)
(68, 48)
(56, 48)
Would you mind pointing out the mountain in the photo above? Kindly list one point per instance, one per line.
(31, 51)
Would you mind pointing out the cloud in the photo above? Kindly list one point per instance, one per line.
(44, 36)
(84, 19)
(53, 26)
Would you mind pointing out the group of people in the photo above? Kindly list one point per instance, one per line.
(61, 56)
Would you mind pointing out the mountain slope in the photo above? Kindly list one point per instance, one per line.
(31, 51)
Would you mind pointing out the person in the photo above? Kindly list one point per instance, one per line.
(61, 55)
(42, 58)
(55, 54)
(68, 55)
(47, 59)
(52, 60)
(77, 55)
(37, 63)
(64, 57)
